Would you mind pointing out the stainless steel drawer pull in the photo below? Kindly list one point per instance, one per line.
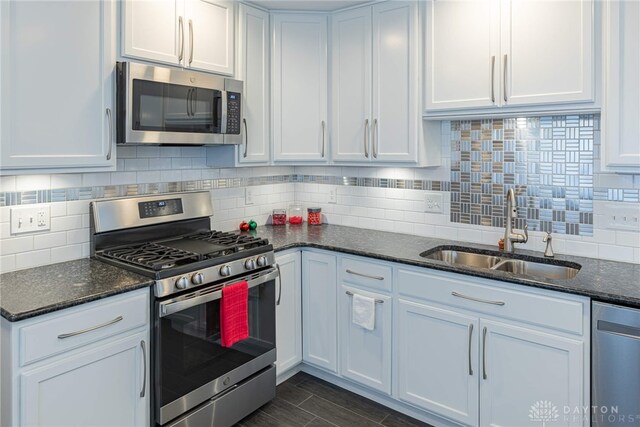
(93, 328)
(181, 34)
(144, 360)
(323, 126)
(485, 301)
(504, 79)
(484, 353)
(366, 139)
(279, 284)
(374, 143)
(246, 138)
(365, 275)
(110, 140)
(378, 301)
(470, 336)
(190, 41)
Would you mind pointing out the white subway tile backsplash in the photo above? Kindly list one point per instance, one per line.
(67, 180)
(7, 183)
(15, 245)
(33, 182)
(66, 253)
(33, 259)
(7, 263)
(49, 240)
(96, 179)
(64, 223)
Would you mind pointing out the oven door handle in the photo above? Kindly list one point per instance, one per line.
(183, 302)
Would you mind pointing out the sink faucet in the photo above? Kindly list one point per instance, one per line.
(509, 236)
(548, 251)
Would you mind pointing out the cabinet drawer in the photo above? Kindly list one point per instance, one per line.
(82, 325)
(481, 295)
(365, 273)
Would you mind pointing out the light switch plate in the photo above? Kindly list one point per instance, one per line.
(248, 196)
(333, 195)
(29, 219)
(622, 217)
(434, 202)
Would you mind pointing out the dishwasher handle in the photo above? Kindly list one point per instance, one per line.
(619, 329)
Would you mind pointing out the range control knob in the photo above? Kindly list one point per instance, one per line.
(182, 282)
(197, 279)
(262, 261)
(225, 270)
(250, 264)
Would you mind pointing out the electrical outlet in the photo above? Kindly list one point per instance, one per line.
(434, 202)
(333, 195)
(248, 196)
(30, 219)
(622, 217)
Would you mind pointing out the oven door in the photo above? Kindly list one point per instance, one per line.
(190, 365)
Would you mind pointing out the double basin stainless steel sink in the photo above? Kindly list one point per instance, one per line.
(545, 269)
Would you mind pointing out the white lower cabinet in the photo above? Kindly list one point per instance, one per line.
(319, 322)
(82, 366)
(438, 361)
(288, 312)
(106, 385)
(365, 356)
(521, 369)
(465, 354)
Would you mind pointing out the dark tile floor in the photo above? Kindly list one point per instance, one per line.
(304, 400)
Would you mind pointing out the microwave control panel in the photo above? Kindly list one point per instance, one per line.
(233, 113)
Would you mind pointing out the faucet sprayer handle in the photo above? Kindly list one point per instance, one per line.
(547, 237)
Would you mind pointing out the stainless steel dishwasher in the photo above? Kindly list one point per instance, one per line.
(615, 365)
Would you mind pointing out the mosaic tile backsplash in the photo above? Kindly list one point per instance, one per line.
(548, 161)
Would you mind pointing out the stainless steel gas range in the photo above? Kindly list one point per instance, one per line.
(167, 237)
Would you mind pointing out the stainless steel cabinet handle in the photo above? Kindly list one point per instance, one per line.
(364, 275)
(110, 120)
(484, 353)
(366, 139)
(93, 328)
(470, 336)
(323, 124)
(246, 138)
(493, 70)
(378, 301)
(190, 41)
(485, 301)
(181, 34)
(374, 142)
(504, 78)
(279, 285)
(144, 360)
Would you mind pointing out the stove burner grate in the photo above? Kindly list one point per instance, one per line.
(232, 242)
(151, 255)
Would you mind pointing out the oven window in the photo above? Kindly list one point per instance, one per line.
(164, 107)
(189, 353)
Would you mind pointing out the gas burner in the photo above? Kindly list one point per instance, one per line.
(151, 255)
(231, 242)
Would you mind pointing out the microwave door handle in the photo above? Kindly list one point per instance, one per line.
(188, 100)
(223, 125)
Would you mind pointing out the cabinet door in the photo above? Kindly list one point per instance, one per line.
(547, 51)
(209, 29)
(299, 87)
(366, 355)
(154, 30)
(395, 74)
(461, 36)
(107, 385)
(621, 109)
(319, 277)
(438, 361)
(524, 369)
(57, 84)
(351, 73)
(289, 313)
(253, 69)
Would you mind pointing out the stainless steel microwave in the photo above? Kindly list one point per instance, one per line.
(158, 105)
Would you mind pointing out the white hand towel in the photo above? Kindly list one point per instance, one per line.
(364, 312)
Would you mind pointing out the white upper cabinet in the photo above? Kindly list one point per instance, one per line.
(299, 87)
(57, 88)
(547, 51)
(621, 105)
(374, 78)
(532, 55)
(196, 34)
(461, 36)
(395, 114)
(253, 69)
(351, 84)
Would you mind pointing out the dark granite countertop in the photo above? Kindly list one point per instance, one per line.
(40, 290)
(35, 291)
(608, 281)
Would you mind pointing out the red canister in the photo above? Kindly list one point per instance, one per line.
(314, 216)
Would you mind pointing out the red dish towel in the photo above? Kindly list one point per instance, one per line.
(234, 313)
